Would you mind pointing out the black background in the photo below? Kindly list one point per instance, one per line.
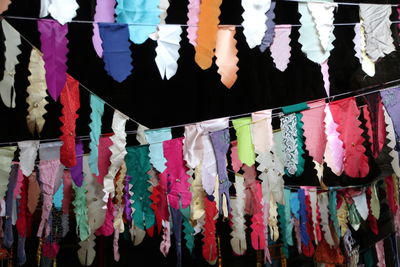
(194, 95)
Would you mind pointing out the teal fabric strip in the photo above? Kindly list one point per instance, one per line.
(283, 227)
(58, 197)
(295, 108)
(156, 149)
(333, 211)
(300, 143)
(97, 107)
(81, 212)
(138, 164)
(188, 229)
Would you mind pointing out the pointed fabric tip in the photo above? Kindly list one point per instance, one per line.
(54, 48)
(104, 13)
(226, 54)
(70, 100)
(97, 107)
(345, 113)
(254, 20)
(207, 32)
(309, 40)
(156, 150)
(63, 10)
(193, 20)
(117, 55)
(169, 37)
(325, 76)
(270, 28)
(323, 18)
(139, 12)
(36, 93)
(280, 47)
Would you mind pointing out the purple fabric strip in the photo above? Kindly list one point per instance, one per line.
(12, 182)
(21, 250)
(270, 32)
(127, 207)
(77, 170)
(305, 239)
(177, 228)
(221, 141)
(390, 99)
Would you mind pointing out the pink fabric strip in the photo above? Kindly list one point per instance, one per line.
(48, 173)
(380, 253)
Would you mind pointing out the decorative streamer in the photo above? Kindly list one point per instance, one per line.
(322, 14)
(156, 152)
(188, 229)
(207, 32)
(81, 211)
(209, 240)
(117, 55)
(292, 157)
(11, 43)
(226, 54)
(169, 37)
(360, 48)
(103, 158)
(270, 28)
(372, 221)
(10, 204)
(310, 44)
(27, 156)
(66, 201)
(334, 151)
(70, 100)
(54, 48)
(36, 93)
(391, 136)
(166, 242)
(4, 5)
(314, 130)
(257, 225)
(63, 10)
(378, 127)
(108, 227)
(140, 136)
(87, 253)
(235, 162)
(97, 107)
(342, 214)
(33, 193)
(193, 145)
(390, 194)
(332, 206)
(323, 202)
(306, 244)
(118, 153)
(311, 191)
(119, 226)
(345, 113)
(126, 200)
(376, 23)
(138, 12)
(245, 145)
(193, 20)
(77, 170)
(138, 164)
(24, 221)
(104, 13)
(325, 76)
(238, 240)
(197, 205)
(280, 46)
(380, 252)
(254, 18)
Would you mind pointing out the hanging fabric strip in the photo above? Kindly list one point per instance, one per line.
(390, 100)
(108, 227)
(103, 159)
(169, 37)
(309, 40)
(306, 243)
(390, 194)
(207, 32)
(33, 192)
(36, 93)
(97, 107)
(87, 253)
(104, 13)
(391, 136)
(69, 98)
(77, 170)
(81, 211)
(315, 212)
(11, 43)
(238, 240)
(24, 221)
(380, 253)
(193, 145)
(163, 6)
(27, 156)
(221, 141)
(378, 127)
(288, 126)
(254, 18)
(118, 204)
(126, 201)
(8, 238)
(376, 22)
(314, 130)
(226, 55)
(325, 76)
(63, 10)
(177, 230)
(323, 202)
(193, 20)
(345, 113)
(54, 48)
(372, 221)
(143, 12)
(270, 30)
(117, 55)
(140, 136)
(156, 152)
(280, 46)
(118, 153)
(245, 145)
(209, 239)
(209, 166)
(333, 212)
(138, 164)
(257, 225)
(359, 47)
(49, 174)
(188, 229)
